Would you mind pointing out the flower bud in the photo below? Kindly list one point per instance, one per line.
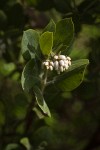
(61, 62)
(47, 67)
(69, 63)
(55, 57)
(68, 58)
(46, 63)
(51, 63)
(63, 57)
(43, 63)
(66, 66)
(51, 68)
(66, 62)
(56, 65)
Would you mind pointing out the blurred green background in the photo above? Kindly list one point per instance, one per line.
(75, 122)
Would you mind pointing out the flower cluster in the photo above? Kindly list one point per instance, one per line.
(59, 63)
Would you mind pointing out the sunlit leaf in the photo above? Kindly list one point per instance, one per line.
(46, 42)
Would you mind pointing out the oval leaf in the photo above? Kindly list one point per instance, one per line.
(30, 43)
(73, 81)
(64, 32)
(46, 42)
(73, 77)
(29, 76)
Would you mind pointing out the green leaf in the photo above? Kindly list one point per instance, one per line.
(12, 146)
(64, 32)
(59, 48)
(51, 27)
(6, 68)
(73, 81)
(29, 76)
(41, 102)
(30, 43)
(46, 42)
(38, 113)
(25, 142)
(73, 77)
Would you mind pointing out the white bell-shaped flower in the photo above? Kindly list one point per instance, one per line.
(56, 65)
(51, 63)
(61, 62)
(56, 57)
(51, 68)
(63, 57)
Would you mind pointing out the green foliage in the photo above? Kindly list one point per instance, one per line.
(63, 35)
(74, 123)
(29, 76)
(12, 146)
(51, 27)
(25, 142)
(46, 42)
(30, 43)
(41, 102)
(64, 32)
(73, 77)
(6, 68)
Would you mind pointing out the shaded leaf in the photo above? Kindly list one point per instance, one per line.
(43, 136)
(46, 42)
(73, 77)
(12, 146)
(73, 81)
(30, 41)
(6, 68)
(64, 32)
(25, 142)
(51, 27)
(41, 102)
(29, 76)
(38, 113)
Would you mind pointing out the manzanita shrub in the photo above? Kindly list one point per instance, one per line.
(48, 61)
